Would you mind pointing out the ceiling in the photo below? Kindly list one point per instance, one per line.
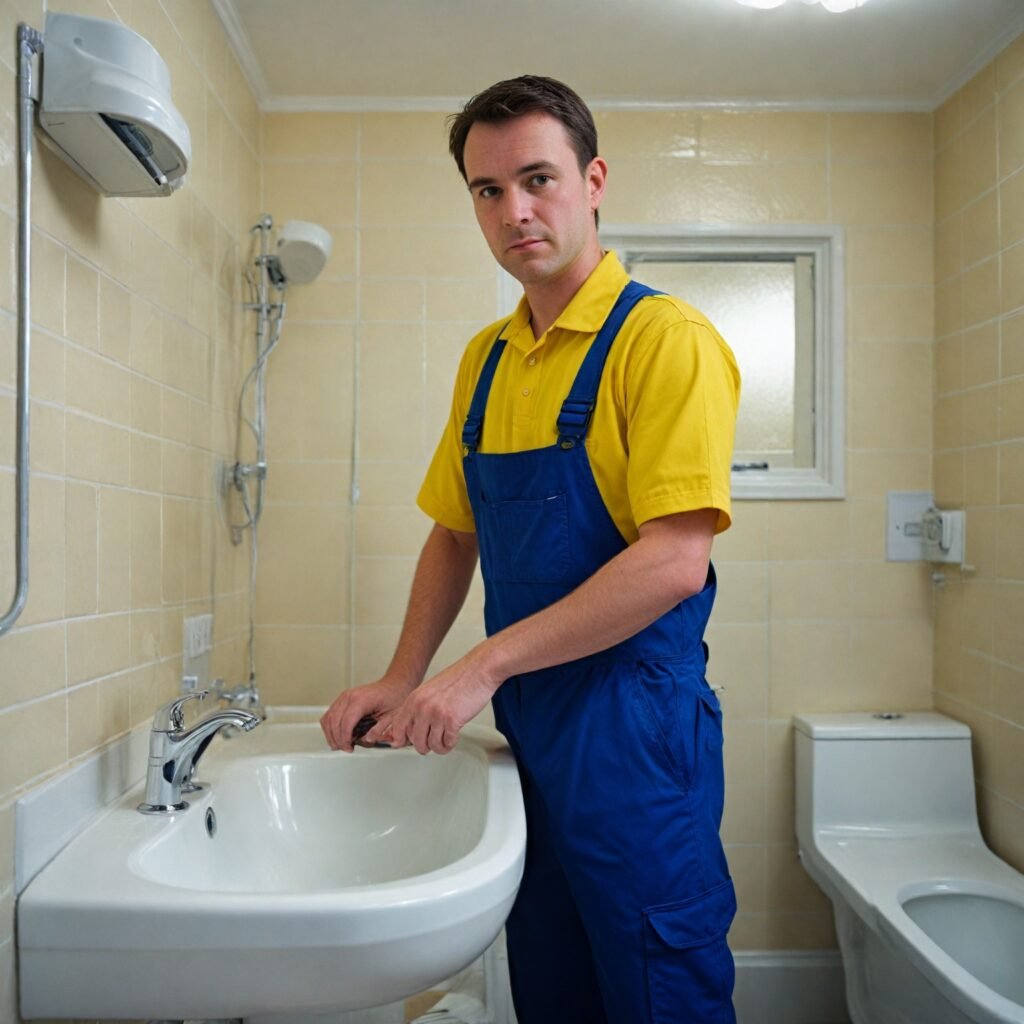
(434, 54)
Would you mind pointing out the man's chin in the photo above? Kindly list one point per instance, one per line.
(527, 271)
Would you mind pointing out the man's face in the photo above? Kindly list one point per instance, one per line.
(535, 208)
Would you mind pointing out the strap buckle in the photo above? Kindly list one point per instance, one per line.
(574, 418)
(471, 431)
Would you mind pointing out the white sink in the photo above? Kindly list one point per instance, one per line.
(331, 882)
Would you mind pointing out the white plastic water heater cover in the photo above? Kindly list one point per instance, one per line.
(106, 105)
(302, 250)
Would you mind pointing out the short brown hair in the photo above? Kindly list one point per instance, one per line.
(527, 94)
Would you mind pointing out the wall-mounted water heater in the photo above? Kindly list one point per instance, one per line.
(106, 106)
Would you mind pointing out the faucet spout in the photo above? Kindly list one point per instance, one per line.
(174, 750)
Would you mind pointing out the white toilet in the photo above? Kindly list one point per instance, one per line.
(930, 921)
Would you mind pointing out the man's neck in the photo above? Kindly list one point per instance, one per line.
(547, 299)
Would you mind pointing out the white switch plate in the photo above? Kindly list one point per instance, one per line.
(903, 533)
(198, 638)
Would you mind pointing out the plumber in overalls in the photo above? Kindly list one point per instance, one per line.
(586, 463)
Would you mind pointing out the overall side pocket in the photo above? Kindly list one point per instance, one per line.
(690, 970)
(681, 717)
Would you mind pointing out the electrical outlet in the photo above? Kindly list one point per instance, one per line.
(904, 534)
(205, 633)
(198, 638)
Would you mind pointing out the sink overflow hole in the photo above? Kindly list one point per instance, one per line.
(211, 822)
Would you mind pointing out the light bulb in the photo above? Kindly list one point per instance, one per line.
(833, 6)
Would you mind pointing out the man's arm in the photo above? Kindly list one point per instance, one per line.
(440, 584)
(439, 587)
(666, 565)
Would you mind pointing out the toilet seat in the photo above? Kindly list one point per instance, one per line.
(875, 876)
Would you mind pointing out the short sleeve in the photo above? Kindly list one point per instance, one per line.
(682, 396)
(443, 494)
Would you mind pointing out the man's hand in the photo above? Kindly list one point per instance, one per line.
(433, 715)
(379, 699)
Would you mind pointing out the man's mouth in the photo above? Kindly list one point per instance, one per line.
(525, 244)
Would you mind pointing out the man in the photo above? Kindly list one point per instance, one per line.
(587, 461)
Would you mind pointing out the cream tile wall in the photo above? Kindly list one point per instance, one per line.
(139, 347)
(979, 429)
(136, 361)
(810, 615)
(359, 388)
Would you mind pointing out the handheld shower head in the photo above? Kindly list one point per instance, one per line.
(302, 250)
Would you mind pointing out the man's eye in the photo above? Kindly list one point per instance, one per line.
(488, 192)
(540, 179)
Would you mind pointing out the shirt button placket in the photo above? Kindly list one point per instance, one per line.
(530, 361)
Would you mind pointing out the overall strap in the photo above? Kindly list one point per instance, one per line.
(473, 428)
(574, 418)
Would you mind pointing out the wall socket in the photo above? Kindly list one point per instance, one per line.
(904, 535)
(198, 638)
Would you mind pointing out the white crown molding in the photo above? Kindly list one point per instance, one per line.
(449, 104)
(887, 104)
(240, 43)
(361, 104)
(989, 54)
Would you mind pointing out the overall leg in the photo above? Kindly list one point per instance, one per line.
(550, 961)
(633, 788)
(551, 967)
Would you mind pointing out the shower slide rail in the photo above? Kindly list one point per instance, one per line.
(30, 43)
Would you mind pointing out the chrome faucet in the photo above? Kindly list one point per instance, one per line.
(244, 695)
(174, 750)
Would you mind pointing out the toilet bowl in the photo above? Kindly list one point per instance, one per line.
(930, 922)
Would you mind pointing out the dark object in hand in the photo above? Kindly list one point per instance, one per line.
(363, 726)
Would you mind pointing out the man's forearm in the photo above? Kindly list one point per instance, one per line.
(443, 575)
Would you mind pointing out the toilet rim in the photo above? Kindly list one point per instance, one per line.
(882, 874)
(958, 886)
(956, 983)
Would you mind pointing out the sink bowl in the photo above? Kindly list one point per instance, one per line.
(300, 880)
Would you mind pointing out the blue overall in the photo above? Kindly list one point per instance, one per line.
(626, 898)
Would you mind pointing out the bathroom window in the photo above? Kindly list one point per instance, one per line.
(775, 295)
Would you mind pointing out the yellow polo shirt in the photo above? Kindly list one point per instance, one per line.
(661, 436)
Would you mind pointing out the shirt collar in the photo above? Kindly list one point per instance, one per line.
(587, 309)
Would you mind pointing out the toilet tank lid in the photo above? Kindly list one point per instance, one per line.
(887, 725)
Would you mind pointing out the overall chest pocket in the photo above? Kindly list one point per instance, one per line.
(527, 541)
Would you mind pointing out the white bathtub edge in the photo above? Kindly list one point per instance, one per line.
(48, 817)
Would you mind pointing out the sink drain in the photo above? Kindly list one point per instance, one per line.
(211, 822)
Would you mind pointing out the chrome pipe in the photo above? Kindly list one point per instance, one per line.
(30, 42)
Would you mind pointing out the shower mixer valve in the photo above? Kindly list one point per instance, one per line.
(241, 471)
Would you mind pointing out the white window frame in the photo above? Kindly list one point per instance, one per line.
(826, 479)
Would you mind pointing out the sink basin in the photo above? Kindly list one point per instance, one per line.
(330, 882)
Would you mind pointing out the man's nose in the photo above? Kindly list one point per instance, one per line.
(517, 208)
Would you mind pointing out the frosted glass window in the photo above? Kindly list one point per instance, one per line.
(776, 295)
(754, 306)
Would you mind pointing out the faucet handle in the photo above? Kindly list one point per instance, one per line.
(172, 715)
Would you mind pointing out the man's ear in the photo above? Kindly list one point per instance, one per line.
(597, 178)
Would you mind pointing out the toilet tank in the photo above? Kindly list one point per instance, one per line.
(889, 774)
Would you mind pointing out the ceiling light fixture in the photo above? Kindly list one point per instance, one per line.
(835, 6)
